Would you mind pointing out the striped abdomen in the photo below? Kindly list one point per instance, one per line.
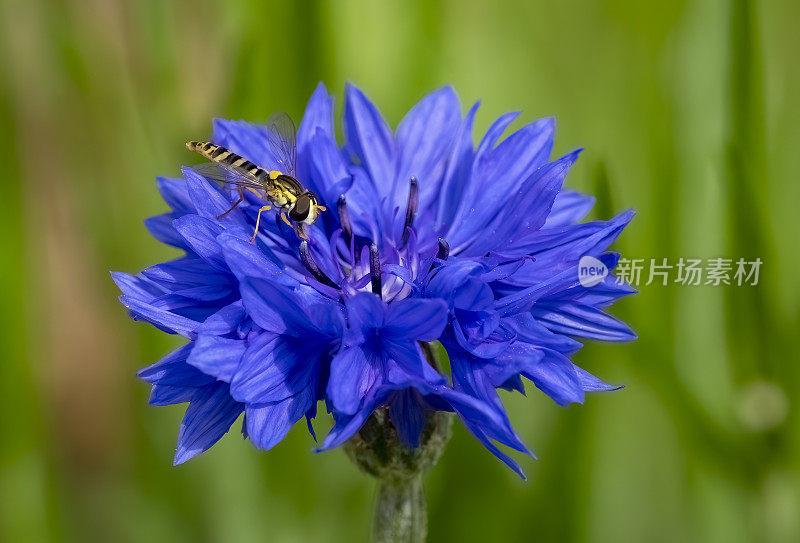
(222, 156)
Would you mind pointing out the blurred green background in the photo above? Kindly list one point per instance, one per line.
(688, 112)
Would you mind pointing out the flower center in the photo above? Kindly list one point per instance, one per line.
(366, 266)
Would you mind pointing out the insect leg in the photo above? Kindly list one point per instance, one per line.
(258, 220)
(239, 201)
(301, 231)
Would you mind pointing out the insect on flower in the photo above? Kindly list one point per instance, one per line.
(279, 186)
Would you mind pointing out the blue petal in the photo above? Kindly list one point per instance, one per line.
(604, 293)
(246, 259)
(473, 295)
(555, 375)
(208, 418)
(562, 247)
(590, 383)
(424, 137)
(206, 293)
(318, 117)
(513, 383)
(492, 448)
(347, 425)
(193, 308)
(267, 424)
(209, 200)
(277, 309)
(416, 319)
(459, 166)
(216, 356)
(451, 276)
(267, 305)
(161, 395)
(137, 287)
(481, 414)
(364, 204)
(475, 399)
(327, 175)
(172, 370)
(364, 311)
(568, 208)
(370, 139)
(467, 408)
(496, 130)
(524, 212)
(176, 194)
(500, 267)
(529, 330)
(496, 174)
(408, 357)
(516, 359)
(580, 320)
(225, 321)
(407, 413)
(401, 272)
(523, 300)
(276, 367)
(484, 424)
(160, 227)
(201, 234)
(412, 372)
(165, 320)
(487, 347)
(352, 377)
(326, 320)
(187, 273)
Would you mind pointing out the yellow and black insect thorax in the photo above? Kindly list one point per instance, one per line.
(283, 189)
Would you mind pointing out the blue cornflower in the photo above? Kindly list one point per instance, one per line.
(427, 238)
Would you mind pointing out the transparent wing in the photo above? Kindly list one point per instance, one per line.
(229, 176)
(282, 139)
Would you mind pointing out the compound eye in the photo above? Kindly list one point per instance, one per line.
(301, 209)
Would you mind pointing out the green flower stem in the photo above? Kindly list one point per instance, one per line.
(400, 512)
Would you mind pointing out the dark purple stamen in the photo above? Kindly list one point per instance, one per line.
(313, 269)
(444, 250)
(375, 269)
(411, 209)
(344, 217)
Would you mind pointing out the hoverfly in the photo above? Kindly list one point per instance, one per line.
(279, 186)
